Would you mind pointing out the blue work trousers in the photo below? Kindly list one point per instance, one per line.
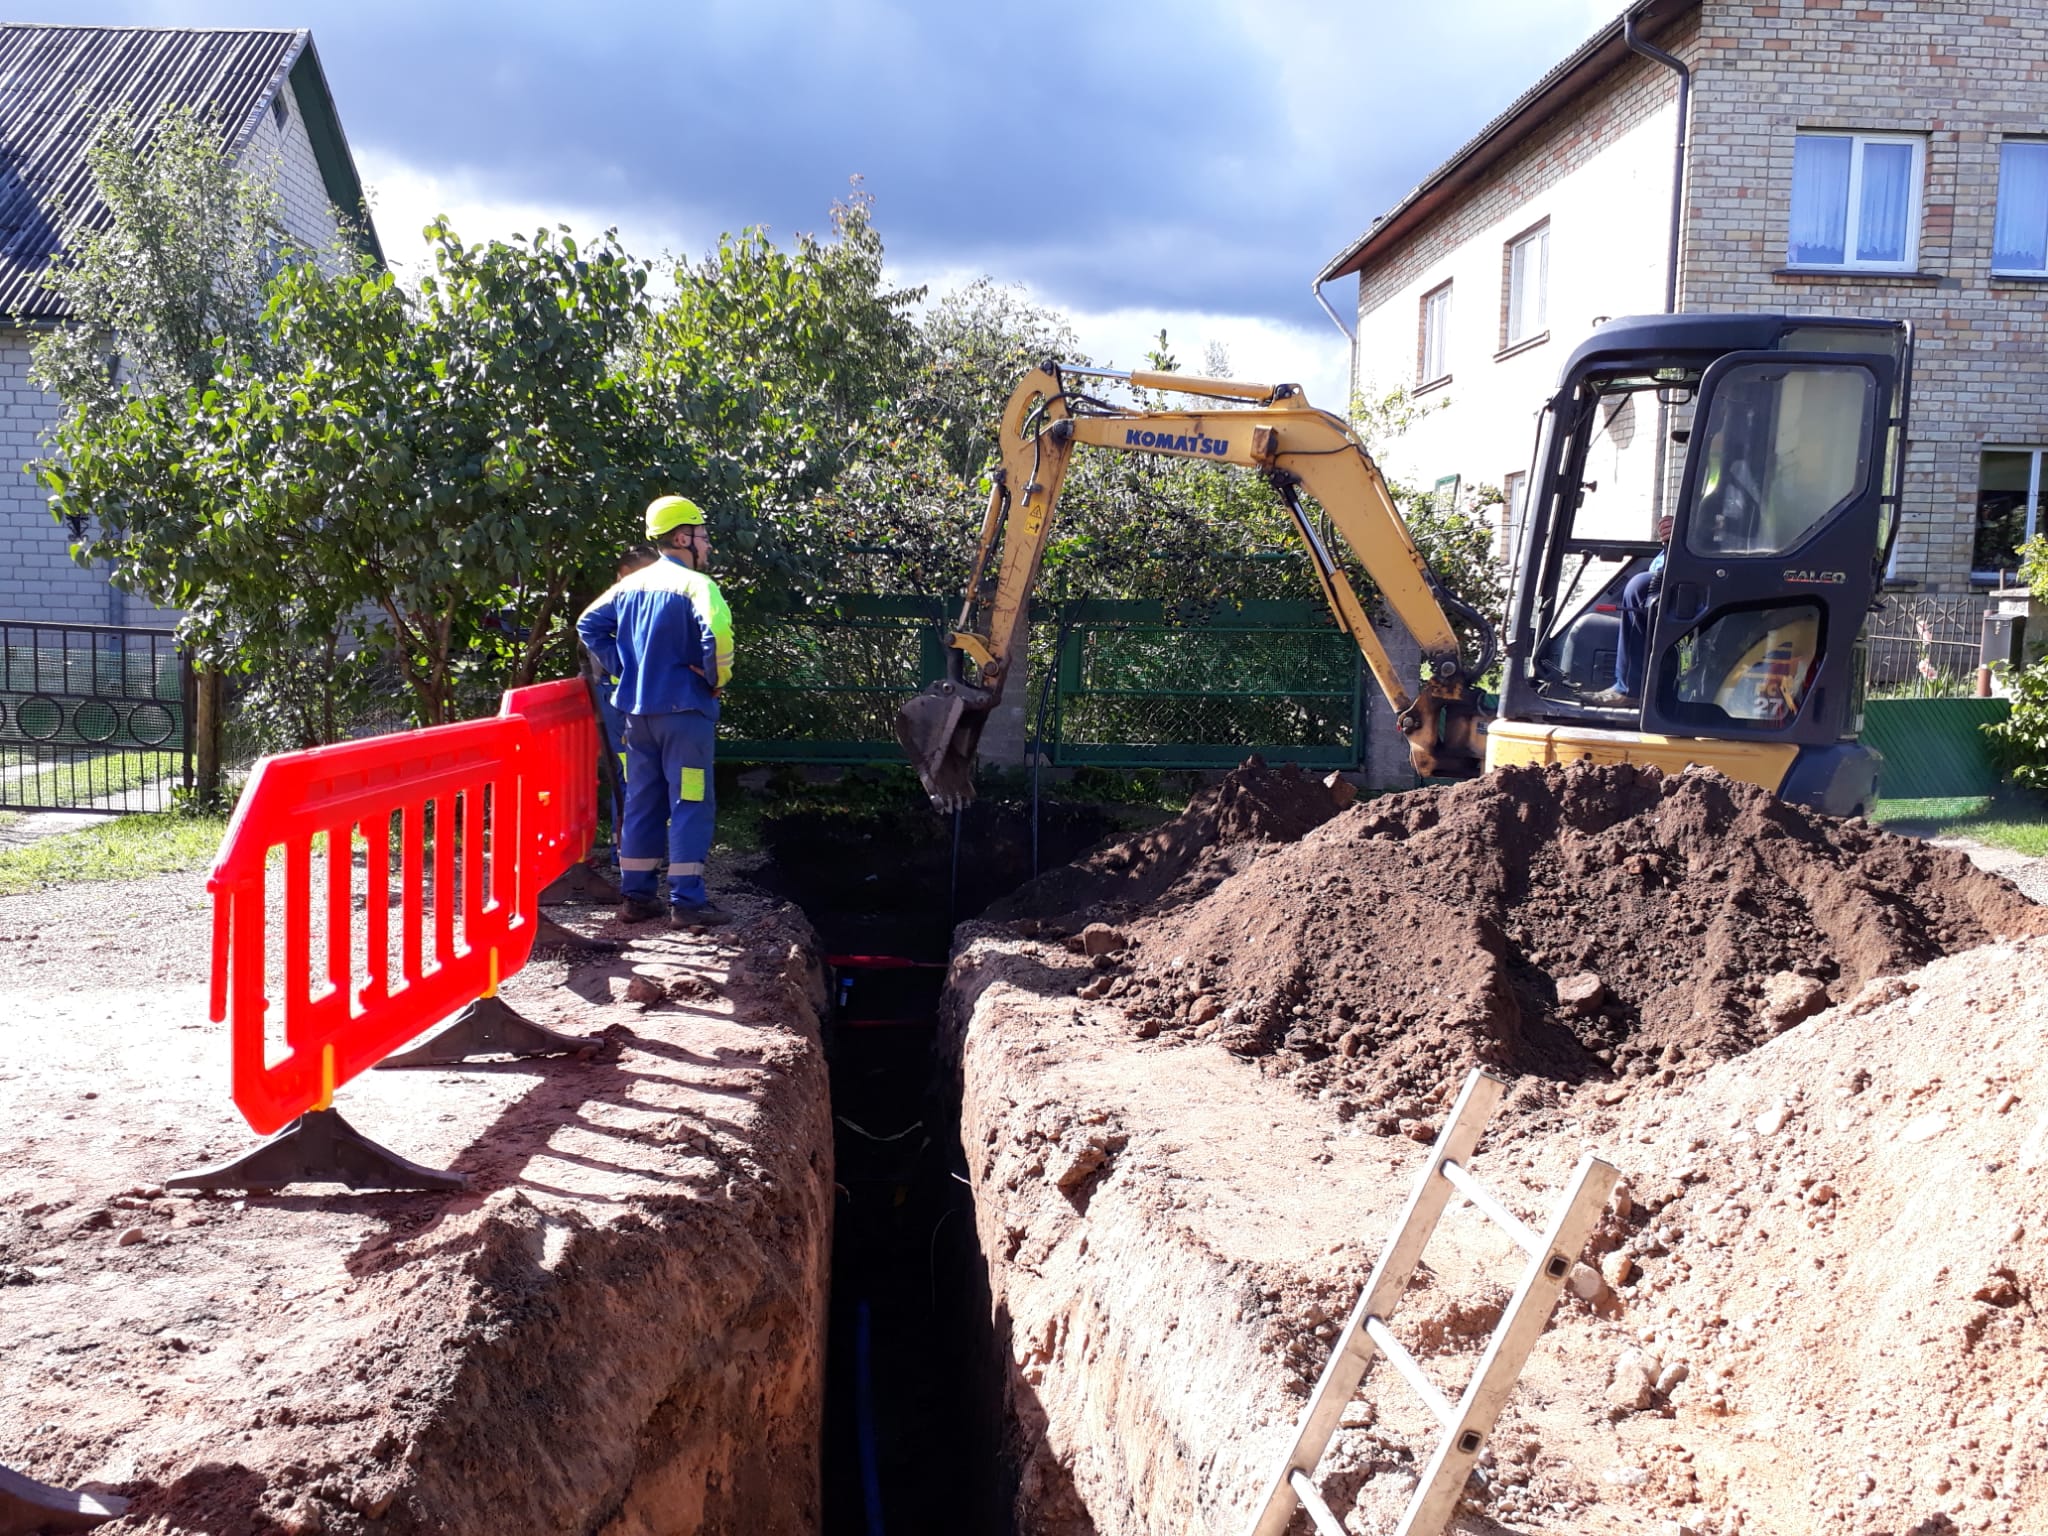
(612, 726)
(668, 799)
(1638, 596)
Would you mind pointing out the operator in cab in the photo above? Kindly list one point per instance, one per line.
(1632, 648)
(665, 633)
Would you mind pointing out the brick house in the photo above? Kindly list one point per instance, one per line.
(1887, 159)
(58, 84)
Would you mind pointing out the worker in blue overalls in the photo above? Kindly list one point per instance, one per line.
(609, 718)
(666, 634)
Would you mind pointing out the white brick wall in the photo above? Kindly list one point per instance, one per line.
(38, 579)
(285, 156)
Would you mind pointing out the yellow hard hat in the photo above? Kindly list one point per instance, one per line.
(667, 512)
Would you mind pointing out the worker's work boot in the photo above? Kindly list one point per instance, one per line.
(1613, 698)
(639, 909)
(702, 914)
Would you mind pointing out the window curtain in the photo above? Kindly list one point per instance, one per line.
(1887, 198)
(2019, 242)
(1820, 200)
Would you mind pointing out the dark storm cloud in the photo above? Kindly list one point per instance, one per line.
(1203, 155)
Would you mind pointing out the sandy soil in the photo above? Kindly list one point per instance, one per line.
(1828, 1275)
(1811, 1309)
(618, 1328)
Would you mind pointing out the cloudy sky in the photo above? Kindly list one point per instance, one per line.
(1187, 165)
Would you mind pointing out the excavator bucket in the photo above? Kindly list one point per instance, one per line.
(940, 730)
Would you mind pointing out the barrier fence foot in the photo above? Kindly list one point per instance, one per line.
(319, 1148)
(584, 882)
(487, 1027)
(27, 1506)
(551, 934)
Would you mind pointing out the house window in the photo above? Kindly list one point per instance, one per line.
(1856, 201)
(1514, 490)
(2009, 509)
(1434, 364)
(2019, 240)
(1528, 286)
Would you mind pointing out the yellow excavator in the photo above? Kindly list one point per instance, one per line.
(1735, 644)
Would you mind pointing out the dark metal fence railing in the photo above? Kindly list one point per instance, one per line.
(1924, 647)
(93, 717)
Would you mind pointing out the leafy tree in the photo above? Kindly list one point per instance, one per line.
(169, 279)
(440, 478)
(434, 459)
(180, 262)
(776, 373)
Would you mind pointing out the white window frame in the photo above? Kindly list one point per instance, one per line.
(1916, 187)
(1998, 207)
(1434, 365)
(1539, 237)
(1514, 499)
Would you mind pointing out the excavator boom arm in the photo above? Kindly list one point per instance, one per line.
(1277, 434)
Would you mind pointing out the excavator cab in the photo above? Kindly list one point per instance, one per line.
(1772, 448)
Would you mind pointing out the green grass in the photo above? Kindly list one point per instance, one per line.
(2000, 821)
(108, 773)
(121, 848)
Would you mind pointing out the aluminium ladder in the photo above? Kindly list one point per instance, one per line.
(1467, 1422)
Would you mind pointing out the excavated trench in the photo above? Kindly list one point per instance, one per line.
(913, 1441)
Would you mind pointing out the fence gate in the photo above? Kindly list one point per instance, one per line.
(93, 717)
(1139, 687)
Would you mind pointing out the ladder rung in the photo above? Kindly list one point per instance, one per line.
(1509, 1222)
(1312, 1500)
(1402, 1361)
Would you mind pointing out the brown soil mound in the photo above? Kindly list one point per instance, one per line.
(1556, 922)
(1251, 804)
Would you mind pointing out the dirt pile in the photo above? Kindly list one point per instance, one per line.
(1566, 923)
(1194, 852)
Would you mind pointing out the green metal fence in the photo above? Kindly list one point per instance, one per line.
(1933, 747)
(1138, 686)
(1134, 684)
(823, 685)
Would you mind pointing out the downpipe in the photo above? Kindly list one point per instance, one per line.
(1637, 44)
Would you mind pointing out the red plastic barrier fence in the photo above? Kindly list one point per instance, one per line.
(482, 815)
(563, 751)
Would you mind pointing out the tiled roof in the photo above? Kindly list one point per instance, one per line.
(59, 84)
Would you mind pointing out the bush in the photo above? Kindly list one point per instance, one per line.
(2020, 741)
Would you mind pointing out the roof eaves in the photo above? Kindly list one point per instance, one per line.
(330, 147)
(1585, 65)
